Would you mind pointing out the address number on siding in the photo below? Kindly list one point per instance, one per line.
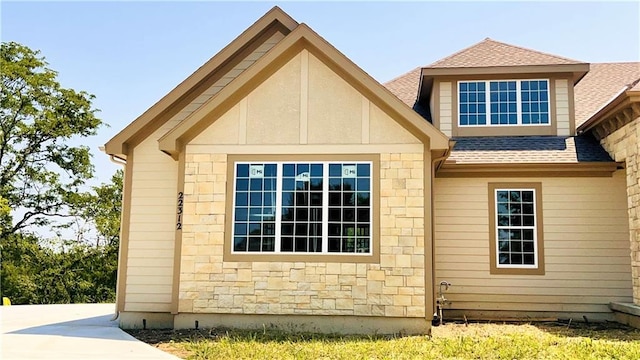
(180, 206)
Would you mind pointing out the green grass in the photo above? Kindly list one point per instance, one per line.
(452, 341)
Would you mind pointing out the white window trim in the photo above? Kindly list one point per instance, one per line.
(534, 228)
(518, 103)
(325, 209)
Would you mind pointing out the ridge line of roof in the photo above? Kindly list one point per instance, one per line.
(456, 53)
(541, 52)
(489, 40)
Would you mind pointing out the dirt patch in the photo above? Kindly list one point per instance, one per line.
(154, 337)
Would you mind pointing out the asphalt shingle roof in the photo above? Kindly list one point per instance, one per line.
(527, 149)
(600, 85)
(489, 53)
(595, 90)
(405, 86)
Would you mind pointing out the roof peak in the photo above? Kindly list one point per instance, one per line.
(490, 53)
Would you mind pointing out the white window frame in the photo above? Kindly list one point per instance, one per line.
(325, 209)
(534, 229)
(518, 102)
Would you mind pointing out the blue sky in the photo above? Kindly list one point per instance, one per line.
(130, 54)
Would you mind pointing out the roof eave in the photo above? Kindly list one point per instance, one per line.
(559, 169)
(577, 70)
(303, 36)
(622, 99)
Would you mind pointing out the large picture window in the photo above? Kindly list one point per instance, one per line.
(503, 102)
(319, 207)
(516, 228)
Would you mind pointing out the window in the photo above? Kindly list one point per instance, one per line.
(516, 228)
(302, 207)
(504, 102)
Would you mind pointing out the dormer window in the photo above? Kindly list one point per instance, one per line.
(503, 103)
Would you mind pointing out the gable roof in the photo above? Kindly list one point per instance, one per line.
(491, 53)
(302, 37)
(187, 90)
(490, 57)
(601, 85)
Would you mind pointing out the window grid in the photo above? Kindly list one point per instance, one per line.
(535, 102)
(349, 218)
(505, 103)
(254, 207)
(295, 203)
(473, 108)
(516, 228)
(301, 221)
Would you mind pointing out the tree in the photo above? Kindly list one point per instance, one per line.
(100, 209)
(40, 172)
(34, 273)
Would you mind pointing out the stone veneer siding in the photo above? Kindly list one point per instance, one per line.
(623, 145)
(394, 287)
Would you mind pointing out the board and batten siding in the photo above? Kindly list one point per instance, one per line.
(586, 247)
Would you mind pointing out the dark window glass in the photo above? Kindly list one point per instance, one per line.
(515, 222)
(300, 210)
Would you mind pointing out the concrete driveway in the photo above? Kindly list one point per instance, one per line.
(77, 331)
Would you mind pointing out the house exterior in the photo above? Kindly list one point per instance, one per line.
(281, 186)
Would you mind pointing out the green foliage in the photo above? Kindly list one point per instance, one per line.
(475, 341)
(101, 209)
(39, 170)
(35, 274)
(41, 181)
(71, 271)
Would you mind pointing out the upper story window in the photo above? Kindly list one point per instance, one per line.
(303, 208)
(503, 102)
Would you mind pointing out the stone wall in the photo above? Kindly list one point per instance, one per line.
(623, 146)
(395, 287)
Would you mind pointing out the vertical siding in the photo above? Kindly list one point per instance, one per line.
(562, 107)
(445, 108)
(585, 240)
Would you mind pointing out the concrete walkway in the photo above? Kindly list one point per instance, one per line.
(78, 331)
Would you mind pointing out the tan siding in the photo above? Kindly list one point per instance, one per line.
(562, 107)
(587, 260)
(335, 107)
(446, 111)
(273, 108)
(384, 130)
(228, 77)
(151, 234)
(224, 131)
